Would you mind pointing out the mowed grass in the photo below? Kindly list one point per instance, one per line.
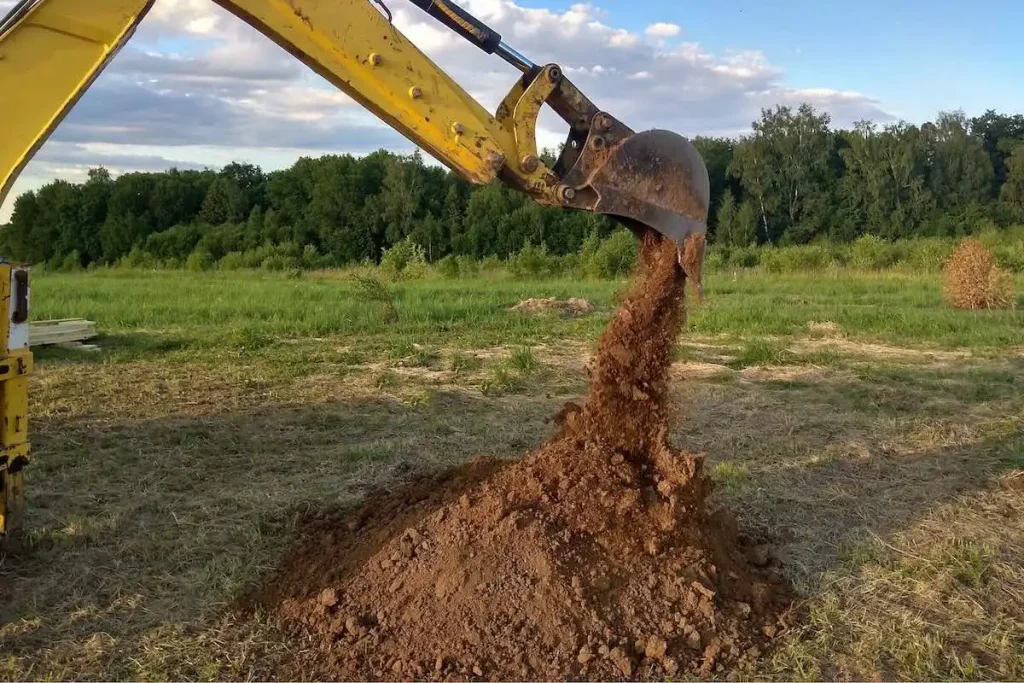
(200, 309)
(872, 435)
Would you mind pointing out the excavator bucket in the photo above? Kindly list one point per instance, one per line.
(652, 180)
(657, 179)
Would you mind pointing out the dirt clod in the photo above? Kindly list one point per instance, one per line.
(656, 647)
(328, 597)
(565, 564)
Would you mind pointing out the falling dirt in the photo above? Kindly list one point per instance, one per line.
(597, 557)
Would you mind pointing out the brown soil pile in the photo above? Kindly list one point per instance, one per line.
(569, 308)
(596, 557)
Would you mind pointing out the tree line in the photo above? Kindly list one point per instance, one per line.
(792, 180)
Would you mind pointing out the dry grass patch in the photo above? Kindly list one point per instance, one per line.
(974, 281)
(943, 599)
(568, 308)
(162, 489)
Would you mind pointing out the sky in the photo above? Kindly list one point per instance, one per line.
(197, 88)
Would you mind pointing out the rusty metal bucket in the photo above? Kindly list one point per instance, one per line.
(652, 180)
(657, 179)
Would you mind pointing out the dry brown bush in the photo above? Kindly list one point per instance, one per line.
(973, 280)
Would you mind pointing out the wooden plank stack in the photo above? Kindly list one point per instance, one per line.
(63, 333)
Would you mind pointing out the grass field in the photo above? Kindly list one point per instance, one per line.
(875, 436)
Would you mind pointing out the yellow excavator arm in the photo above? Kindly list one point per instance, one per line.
(52, 50)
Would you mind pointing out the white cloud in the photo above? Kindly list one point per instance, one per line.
(196, 84)
(664, 30)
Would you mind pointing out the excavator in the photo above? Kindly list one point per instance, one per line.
(51, 51)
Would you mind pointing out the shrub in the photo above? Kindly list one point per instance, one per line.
(280, 262)
(310, 257)
(491, 264)
(254, 258)
(137, 258)
(200, 260)
(928, 254)
(404, 255)
(533, 262)
(615, 257)
(372, 289)
(744, 257)
(974, 281)
(716, 259)
(233, 260)
(71, 263)
(1010, 256)
(988, 233)
(468, 266)
(448, 267)
(417, 270)
(796, 259)
(570, 264)
(871, 253)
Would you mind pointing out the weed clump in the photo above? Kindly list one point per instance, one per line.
(372, 289)
(974, 281)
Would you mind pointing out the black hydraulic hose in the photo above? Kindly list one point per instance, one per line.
(462, 22)
(473, 30)
(16, 13)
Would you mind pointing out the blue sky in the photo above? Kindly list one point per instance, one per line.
(916, 56)
(197, 88)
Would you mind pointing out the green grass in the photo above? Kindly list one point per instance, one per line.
(760, 352)
(206, 310)
(523, 360)
(881, 454)
(887, 307)
(730, 475)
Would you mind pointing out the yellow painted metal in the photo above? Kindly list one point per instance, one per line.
(55, 49)
(15, 368)
(528, 110)
(47, 59)
(401, 85)
(50, 56)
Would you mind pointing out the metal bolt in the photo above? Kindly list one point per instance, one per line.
(530, 163)
(415, 92)
(567, 193)
(597, 142)
(375, 59)
(555, 74)
(458, 128)
(604, 122)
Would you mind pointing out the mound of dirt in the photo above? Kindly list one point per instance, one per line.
(569, 308)
(597, 557)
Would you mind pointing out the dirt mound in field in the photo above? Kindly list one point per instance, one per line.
(596, 557)
(566, 307)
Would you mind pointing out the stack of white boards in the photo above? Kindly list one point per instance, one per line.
(63, 333)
